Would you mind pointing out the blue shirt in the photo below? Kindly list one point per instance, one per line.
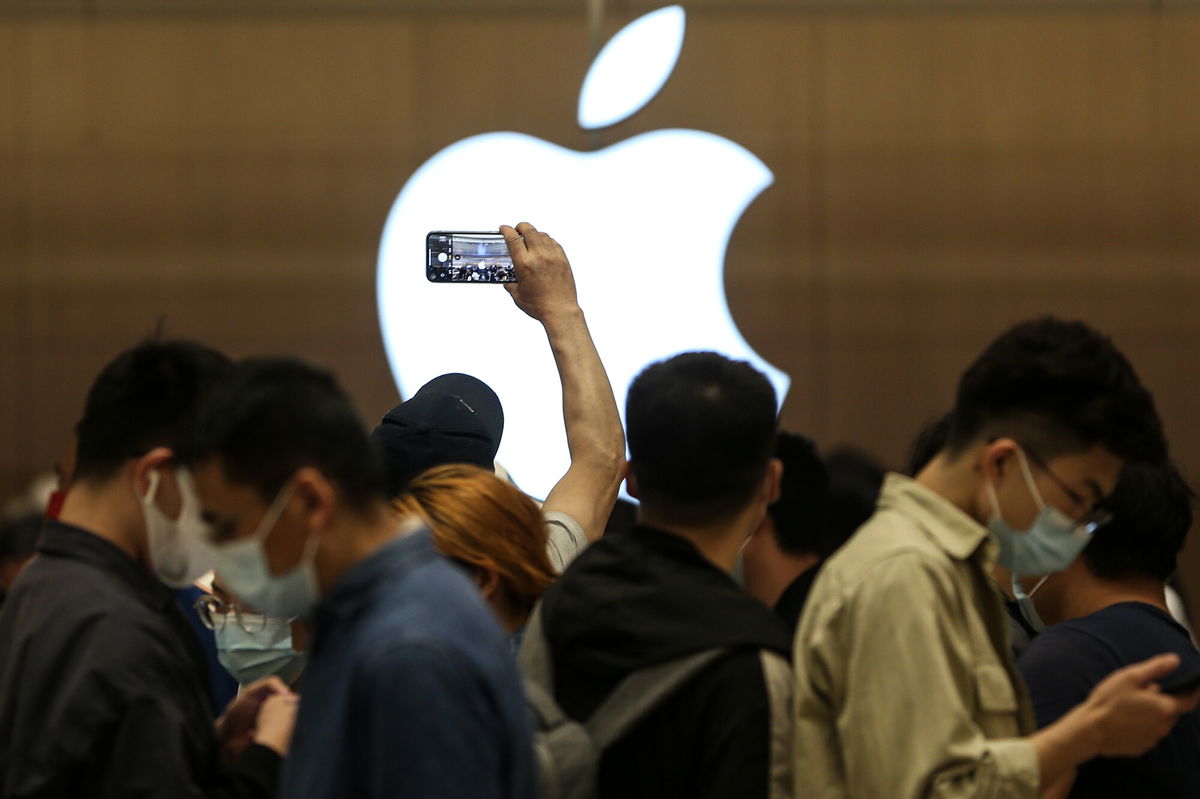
(1065, 662)
(410, 689)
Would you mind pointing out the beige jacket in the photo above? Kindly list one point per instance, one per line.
(905, 685)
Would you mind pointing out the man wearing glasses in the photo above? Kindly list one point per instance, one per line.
(1109, 609)
(906, 685)
(252, 646)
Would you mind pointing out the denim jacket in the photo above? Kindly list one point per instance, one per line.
(410, 689)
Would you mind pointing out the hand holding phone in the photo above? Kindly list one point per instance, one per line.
(546, 286)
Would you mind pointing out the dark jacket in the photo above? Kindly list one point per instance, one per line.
(642, 597)
(102, 685)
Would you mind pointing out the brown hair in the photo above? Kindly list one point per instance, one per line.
(484, 522)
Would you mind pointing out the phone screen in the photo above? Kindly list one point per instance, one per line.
(460, 257)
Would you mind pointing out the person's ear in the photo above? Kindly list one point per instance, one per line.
(996, 457)
(772, 479)
(319, 498)
(147, 466)
(486, 578)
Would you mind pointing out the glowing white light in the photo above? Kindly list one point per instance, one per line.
(645, 223)
(631, 68)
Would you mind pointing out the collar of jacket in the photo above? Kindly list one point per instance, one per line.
(67, 541)
(354, 591)
(947, 525)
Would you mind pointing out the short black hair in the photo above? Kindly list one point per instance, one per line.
(799, 516)
(272, 416)
(930, 440)
(1151, 509)
(143, 399)
(1061, 386)
(855, 479)
(701, 430)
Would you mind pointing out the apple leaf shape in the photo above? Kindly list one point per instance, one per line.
(631, 68)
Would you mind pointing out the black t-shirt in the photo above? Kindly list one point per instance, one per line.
(1065, 661)
(790, 605)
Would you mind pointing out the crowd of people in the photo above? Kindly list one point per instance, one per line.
(240, 591)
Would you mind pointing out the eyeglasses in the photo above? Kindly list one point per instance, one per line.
(1093, 517)
(214, 614)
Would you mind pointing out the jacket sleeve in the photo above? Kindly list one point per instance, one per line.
(151, 757)
(888, 689)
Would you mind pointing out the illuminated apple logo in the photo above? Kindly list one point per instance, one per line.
(645, 222)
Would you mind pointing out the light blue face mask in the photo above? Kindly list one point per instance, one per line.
(1025, 603)
(1050, 544)
(242, 566)
(251, 656)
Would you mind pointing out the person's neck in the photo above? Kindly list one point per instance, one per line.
(109, 511)
(351, 540)
(780, 575)
(510, 619)
(719, 542)
(1093, 594)
(955, 480)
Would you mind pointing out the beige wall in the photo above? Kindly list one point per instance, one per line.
(939, 175)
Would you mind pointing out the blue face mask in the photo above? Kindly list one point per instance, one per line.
(1050, 544)
(242, 565)
(251, 656)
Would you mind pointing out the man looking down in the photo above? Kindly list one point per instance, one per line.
(103, 685)
(905, 685)
(1108, 609)
(410, 689)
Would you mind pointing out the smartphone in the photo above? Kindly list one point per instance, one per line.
(1177, 686)
(453, 256)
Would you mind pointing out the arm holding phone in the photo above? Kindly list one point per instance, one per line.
(545, 290)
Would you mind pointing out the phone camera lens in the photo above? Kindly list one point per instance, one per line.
(458, 257)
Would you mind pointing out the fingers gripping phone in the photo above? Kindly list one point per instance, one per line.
(453, 256)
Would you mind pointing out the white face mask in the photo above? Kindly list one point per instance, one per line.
(242, 566)
(177, 548)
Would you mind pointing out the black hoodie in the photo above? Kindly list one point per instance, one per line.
(644, 596)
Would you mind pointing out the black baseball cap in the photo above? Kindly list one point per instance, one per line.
(454, 418)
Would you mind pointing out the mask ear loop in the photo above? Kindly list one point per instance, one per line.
(1029, 482)
(147, 499)
(271, 517)
(1040, 583)
(995, 500)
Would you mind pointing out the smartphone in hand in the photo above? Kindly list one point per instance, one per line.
(1179, 686)
(453, 256)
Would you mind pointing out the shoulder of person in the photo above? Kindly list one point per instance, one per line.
(565, 538)
(905, 572)
(1067, 654)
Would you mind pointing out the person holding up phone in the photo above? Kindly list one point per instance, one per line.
(1108, 610)
(457, 418)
